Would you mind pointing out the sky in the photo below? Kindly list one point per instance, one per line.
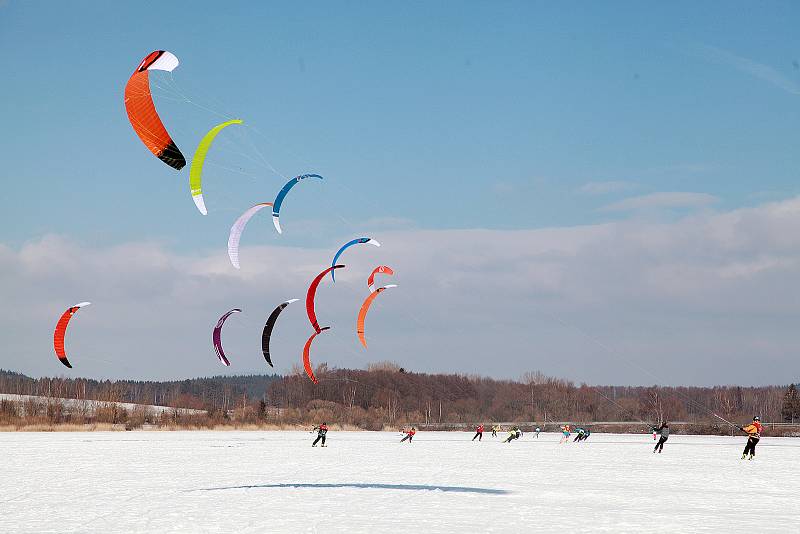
(604, 193)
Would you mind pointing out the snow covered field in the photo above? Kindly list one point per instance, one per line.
(368, 482)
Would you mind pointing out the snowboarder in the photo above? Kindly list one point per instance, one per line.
(564, 434)
(409, 434)
(753, 431)
(478, 433)
(664, 431)
(321, 431)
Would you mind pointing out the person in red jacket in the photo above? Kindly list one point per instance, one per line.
(753, 431)
(478, 433)
(321, 431)
(409, 434)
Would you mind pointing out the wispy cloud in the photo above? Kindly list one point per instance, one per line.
(748, 66)
(663, 200)
(603, 188)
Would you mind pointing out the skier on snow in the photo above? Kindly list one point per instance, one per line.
(409, 434)
(321, 431)
(514, 433)
(664, 430)
(753, 431)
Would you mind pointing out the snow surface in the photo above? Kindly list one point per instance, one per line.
(369, 482)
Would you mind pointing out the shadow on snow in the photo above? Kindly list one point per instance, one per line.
(412, 487)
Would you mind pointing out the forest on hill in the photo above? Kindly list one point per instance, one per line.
(387, 396)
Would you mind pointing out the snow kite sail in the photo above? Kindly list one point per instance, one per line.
(196, 170)
(61, 330)
(276, 209)
(306, 349)
(381, 269)
(268, 326)
(238, 228)
(362, 313)
(350, 244)
(312, 292)
(142, 111)
(216, 337)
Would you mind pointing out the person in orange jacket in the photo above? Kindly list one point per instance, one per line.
(409, 434)
(753, 431)
(478, 433)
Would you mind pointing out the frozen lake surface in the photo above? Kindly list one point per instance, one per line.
(368, 482)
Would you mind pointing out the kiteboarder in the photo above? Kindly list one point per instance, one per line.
(753, 431)
(409, 434)
(514, 433)
(478, 433)
(564, 434)
(321, 431)
(664, 431)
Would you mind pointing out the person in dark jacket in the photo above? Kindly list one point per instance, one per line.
(321, 431)
(664, 431)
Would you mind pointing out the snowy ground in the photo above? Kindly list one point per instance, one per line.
(368, 482)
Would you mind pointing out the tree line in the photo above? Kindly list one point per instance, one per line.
(387, 396)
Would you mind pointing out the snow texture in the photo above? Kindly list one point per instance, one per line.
(369, 482)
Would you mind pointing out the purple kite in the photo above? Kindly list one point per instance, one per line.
(216, 337)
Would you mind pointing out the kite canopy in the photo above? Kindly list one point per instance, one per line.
(196, 170)
(268, 326)
(276, 209)
(362, 313)
(306, 359)
(142, 111)
(350, 244)
(312, 293)
(381, 269)
(61, 330)
(216, 336)
(238, 228)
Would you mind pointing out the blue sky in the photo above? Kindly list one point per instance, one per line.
(510, 117)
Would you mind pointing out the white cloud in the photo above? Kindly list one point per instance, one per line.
(748, 66)
(663, 200)
(696, 300)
